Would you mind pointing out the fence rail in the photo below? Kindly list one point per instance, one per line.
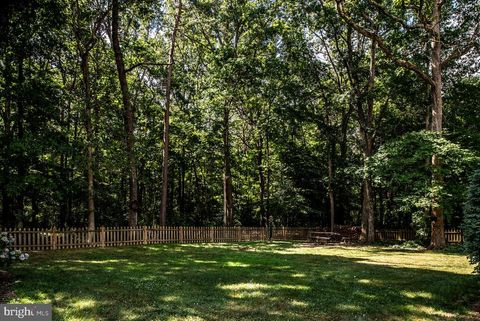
(53, 239)
(452, 236)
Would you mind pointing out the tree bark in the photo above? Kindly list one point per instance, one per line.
(84, 48)
(21, 161)
(331, 195)
(89, 131)
(166, 119)
(261, 176)
(437, 224)
(368, 213)
(269, 175)
(227, 172)
(8, 216)
(129, 117)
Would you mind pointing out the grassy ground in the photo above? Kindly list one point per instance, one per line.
(258, 281)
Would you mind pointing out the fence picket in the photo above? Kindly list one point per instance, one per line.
(38, 239)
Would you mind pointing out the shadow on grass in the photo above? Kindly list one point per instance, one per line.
(238, 282)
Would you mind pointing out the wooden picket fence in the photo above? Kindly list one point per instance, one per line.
(452, 236)
(394, 235)
(53, 239)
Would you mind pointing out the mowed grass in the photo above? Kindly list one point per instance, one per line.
(255, 281)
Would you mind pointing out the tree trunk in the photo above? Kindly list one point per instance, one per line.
(21, 165)
(261, 176)
(437, 225)
(8, 216)
(166, 119)
(331, 196)
(269, 175)
(181, 189)
(129, 117)
(227, 172)
(368, 214)
(89, 131)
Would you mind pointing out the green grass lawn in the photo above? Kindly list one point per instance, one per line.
(258, 281)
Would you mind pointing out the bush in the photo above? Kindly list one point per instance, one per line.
(471, 223)
(8, 254)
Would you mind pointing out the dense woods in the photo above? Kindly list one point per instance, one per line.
(210, 112)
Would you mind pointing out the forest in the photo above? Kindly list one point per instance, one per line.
(239, 113)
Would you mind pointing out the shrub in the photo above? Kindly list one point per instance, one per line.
(471, 221)
(8, 254)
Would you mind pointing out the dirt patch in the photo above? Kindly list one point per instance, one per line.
(6, 293)
(476, 311)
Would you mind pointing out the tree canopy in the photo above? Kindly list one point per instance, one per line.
(309, 113)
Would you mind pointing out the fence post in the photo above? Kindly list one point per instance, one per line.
(145, 235)
(54, 238)
(102, 236)
(180, 234)
(90, 237)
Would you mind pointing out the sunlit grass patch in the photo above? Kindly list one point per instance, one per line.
(249, 281)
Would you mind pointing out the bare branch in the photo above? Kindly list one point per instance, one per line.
(144, 64)
(399, 20)
(460, 51)
(382, 45)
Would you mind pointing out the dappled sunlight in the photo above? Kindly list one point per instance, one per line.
(189, 318)
(418, 294)
(348, 307)
(204, 262)
(244, 286)
(38, 296)
(430, 311)
(273, 281)
(93, 261)
(367, 296)
(401, 258)
(236, 264)
(255, 286)
(83, 304)
(247, 294)
(171, 298)
(297, 303)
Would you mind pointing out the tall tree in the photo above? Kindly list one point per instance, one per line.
(86, 37)
(166, 120)
(128, 116)
(425, 17)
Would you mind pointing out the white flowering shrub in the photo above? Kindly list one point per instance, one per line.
(8, 254)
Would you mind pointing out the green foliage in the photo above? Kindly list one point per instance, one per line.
(471, 221)
(462, 105)
(289, 74)
(403, 166)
